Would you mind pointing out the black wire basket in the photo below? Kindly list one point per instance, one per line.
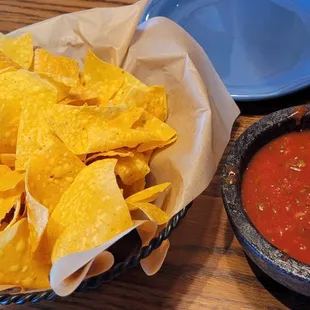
(117, 270)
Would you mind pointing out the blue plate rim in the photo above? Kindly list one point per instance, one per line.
(279, 91)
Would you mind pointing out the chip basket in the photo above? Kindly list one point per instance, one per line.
(117, 270)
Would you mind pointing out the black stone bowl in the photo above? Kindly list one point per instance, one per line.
(275, 263)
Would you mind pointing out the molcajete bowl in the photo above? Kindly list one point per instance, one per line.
(275, 263)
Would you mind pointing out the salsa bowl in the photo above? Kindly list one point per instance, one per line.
(284, 269)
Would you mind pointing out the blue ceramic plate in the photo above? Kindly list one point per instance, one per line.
(260, 48)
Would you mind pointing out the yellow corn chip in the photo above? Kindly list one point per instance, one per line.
(149, 194)
(20, 49)
(151, 211)
(132, 169)
(161, 133)
(8, 178)
(74, 102)
(3, 226)
(33, 133)
(16, 264)
(95, 129)
(14, 87)
(81, 92)
(8, 160)
(17, 209)
(50, 173)
(10, 206)
(67, 100)
(62, 69)
(7, 203)
(82, 157)
(98, 75)
(157, 102)
(100, 129)
(135, 187)
(31, 140)
(103, 155)
(149, 146)
(130, 83)
(62, 89)
(155, 126)
(138, 185)
(80, 95)
(119, 152)
(37, 215)
(80, 124)
(152, 100)
(7, 64)
(97, 206)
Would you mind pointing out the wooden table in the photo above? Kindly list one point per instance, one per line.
(206, 267)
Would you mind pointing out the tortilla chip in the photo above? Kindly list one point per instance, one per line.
(95, 129)
(62, 89)
(139, 184)
(50, 173)
(8, 178)
(81, 92)
(101, 129)
(7, 63)
(20, 49)
(15, 87)
(151, 211)
(132, 169)
(17, 213)
(103, 77)
(37, 215)
(70, 101)
(62, 69)
(157, 99)
(152, 145)
(16, 264)
(80, 125)
(149, 194)
(135, 187)
(7, 203)
(82, 157)
(8, 160)
(99, 210)
(129, 85)
(33, 133)
(152, 100)
(11, 209)
(81, 95)
(160, 132)
(103, 155)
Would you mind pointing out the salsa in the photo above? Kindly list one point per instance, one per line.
(276, 193)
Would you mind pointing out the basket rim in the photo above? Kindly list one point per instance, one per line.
(115, 271)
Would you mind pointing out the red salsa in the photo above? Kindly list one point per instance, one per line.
(276, 193)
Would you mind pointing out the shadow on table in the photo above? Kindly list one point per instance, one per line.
(287, 297)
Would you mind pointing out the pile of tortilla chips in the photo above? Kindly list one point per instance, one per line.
(74, 153)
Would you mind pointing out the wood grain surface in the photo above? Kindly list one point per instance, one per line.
(205, 267)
